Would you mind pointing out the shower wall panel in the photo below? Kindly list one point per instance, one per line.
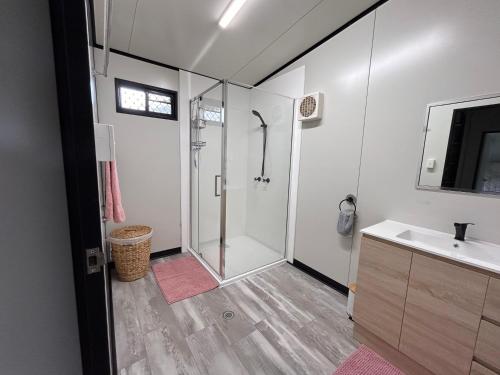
(267, 203)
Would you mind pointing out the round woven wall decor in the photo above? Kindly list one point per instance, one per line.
(307, 106)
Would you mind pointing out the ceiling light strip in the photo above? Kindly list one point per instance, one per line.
(230, 12)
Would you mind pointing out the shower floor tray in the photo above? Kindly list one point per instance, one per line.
(243, 254)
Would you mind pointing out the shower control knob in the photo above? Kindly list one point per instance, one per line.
(257, 179)
(267, 180)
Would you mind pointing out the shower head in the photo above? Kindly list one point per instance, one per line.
(255, 113)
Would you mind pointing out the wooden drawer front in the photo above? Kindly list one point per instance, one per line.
(492, 302)
(478, 369)
(382, 283)
(442, 315)
(488, 344)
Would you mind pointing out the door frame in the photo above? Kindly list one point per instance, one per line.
(219, 273)
(71, 57)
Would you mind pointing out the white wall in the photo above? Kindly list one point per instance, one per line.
(147, 152)
(38, 320)
(331, 147)
(424, 51)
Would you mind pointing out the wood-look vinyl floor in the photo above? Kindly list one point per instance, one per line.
(285, 322)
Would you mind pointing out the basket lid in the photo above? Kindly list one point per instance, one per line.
(131, 231)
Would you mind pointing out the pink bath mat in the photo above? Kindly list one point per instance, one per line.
(366, 362)
(183, 278)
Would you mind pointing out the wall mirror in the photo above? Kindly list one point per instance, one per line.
(462, 146)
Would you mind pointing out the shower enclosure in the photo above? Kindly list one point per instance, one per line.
(241, 142)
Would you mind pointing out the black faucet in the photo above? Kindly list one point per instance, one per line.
(460, 229)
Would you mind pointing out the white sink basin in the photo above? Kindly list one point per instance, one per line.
(444, 241)
(476, 253)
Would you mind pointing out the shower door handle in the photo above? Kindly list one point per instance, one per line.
(217, 190)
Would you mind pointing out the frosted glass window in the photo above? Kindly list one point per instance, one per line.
(132, 99)
(138, 99)
(211, 116)
(159, 103)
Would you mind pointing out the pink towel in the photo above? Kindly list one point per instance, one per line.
(114, 209)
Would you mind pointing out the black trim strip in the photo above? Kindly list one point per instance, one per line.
(155, 255)
(154, 62)
(165, 253)
(325, 39)
(320, 277)
(143, 59)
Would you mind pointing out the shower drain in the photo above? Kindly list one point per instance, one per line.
(228, 315)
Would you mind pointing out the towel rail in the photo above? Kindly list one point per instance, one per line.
(351, 199)
(108, 6)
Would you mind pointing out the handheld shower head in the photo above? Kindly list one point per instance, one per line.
(264, 143)
(255, 113)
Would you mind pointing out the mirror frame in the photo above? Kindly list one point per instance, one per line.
(422, 147)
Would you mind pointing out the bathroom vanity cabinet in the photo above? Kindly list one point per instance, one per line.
(427, 314)
(443, 311)
(384, 290)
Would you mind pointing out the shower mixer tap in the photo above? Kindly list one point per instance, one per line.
(262, 179)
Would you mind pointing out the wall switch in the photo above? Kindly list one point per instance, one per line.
(431, 163)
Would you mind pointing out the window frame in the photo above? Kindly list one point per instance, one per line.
(147, 90)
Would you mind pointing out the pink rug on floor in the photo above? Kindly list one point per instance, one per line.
(183, 278)
(366, 362)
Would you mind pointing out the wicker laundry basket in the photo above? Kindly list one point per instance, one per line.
(130, 248)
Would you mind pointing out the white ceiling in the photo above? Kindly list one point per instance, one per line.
(263, 36)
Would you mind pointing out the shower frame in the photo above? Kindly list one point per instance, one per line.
(220, 276)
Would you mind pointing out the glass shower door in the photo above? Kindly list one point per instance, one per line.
(206, 181)
(258, 154)
(240, 174)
